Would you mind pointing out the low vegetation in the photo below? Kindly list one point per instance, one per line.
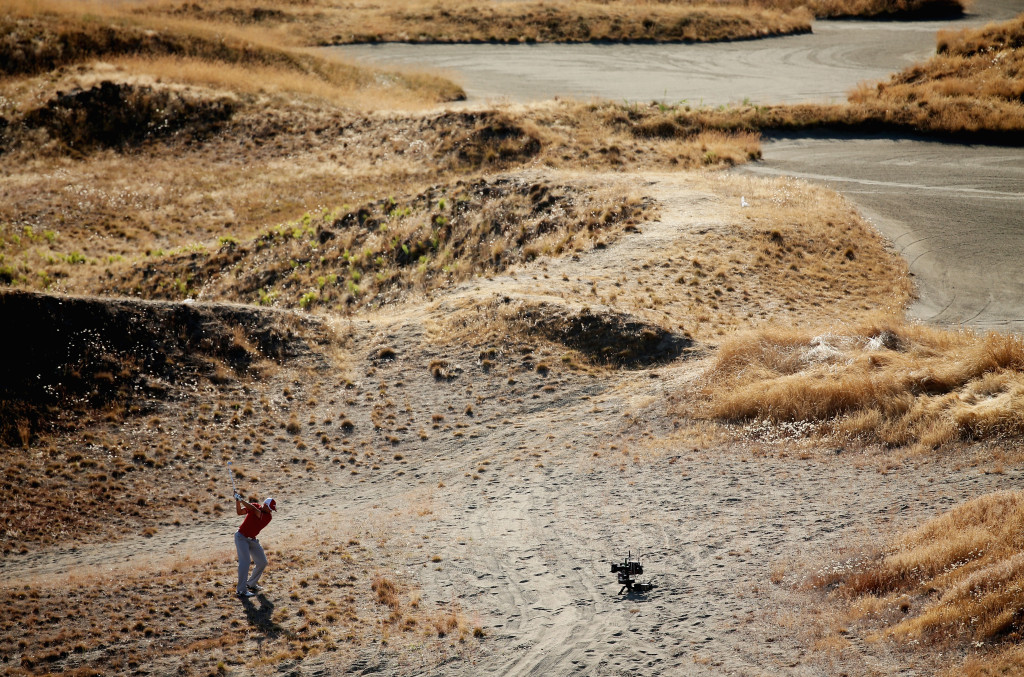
(325, 158)
(517, 21)
(40, 37)
(183, 617)
(376, 254)
(955, 583)
(529, 21)
(881, 380)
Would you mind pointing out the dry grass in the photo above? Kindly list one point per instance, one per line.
(379, 252)
(1005, 662)
(956, 581)
(881, 380)
(581, 334)
(974, 83)
(519, 21)
(272, 161)
(40, 37)
(320, 603)
(796, 252)
(971, 90)
(516, 21)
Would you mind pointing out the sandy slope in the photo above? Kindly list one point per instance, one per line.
(954, 212)
(524, 513)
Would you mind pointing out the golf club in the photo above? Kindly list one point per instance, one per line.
(231, 474)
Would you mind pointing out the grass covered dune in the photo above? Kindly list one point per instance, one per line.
(40, 37)
(532, 21)
(882, 380)
(972, 90)
(953, 584)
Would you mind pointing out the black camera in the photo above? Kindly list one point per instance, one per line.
(627, 572)
(627, 568)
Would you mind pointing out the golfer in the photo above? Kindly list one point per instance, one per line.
(248, 546)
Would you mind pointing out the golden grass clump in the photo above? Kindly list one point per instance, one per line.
(41, 37)
(971, 89)
(956, 579)
(882, 380)
(517, 21)
(972, 84)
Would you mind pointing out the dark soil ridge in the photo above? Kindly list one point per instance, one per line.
(121, 115)
(71, 354)
(600, 335)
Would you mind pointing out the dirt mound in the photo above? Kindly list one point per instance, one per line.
(71, 355)
(377, 252)
(118, 115)
(599, 335)
(603, 336)
(487, 139)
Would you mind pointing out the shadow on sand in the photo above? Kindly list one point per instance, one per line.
(260, 616)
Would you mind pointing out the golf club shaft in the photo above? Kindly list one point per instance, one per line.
(231, 474)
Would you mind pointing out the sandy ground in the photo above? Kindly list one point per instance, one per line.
(954, 212)
(524, 513)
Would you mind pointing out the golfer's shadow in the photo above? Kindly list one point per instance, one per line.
(261, 616)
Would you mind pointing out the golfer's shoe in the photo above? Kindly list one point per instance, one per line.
(255, 588)
(247, 593)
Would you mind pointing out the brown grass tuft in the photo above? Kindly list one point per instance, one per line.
(956, 579)
(386, 591)
(882, 379)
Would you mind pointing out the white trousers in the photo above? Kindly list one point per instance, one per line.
(249, 550)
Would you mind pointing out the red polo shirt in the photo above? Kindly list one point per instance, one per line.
(254, 522)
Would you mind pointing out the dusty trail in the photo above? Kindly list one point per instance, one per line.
(527, 544)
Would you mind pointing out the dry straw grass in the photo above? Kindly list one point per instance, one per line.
(881, 380)
(39, 37)
(268, 164)
(958, 579)
(379, 252)
(971, 89)
(529, 21)
(184, 618)
(515, 21)
(973, 83)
